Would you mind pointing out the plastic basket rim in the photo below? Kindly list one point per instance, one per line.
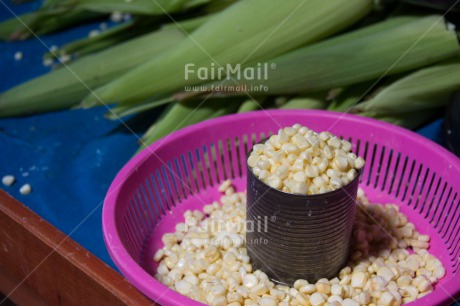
(144, 281)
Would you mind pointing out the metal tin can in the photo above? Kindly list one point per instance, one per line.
(291, 236)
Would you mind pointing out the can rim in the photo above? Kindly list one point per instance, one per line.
(307, 196)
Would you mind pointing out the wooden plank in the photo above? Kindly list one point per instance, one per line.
(20, 294)
(58, 269)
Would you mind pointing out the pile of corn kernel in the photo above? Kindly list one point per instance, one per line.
(298, 160)
(213, 267)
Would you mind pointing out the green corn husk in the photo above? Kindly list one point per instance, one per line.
(124, 32)
(186, 113)
(394, 46)
(109, 37)
(9, 26)
(141, 7)
(151, 130)
(350, 96)
(305, 103)
(217, 6)
(411, 120)
(234, 36)
(189, 25)
(43, 22)
(119, 111)
(62, 88)
(250, 105)
(58, 15)
(420, 91)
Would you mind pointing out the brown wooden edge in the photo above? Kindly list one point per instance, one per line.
(67, 274)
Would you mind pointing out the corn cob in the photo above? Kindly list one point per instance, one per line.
(247, 38)
(394, 46)
(62, 88)
(125, 110)
(305, 103)
(186, 113)
(424, 89)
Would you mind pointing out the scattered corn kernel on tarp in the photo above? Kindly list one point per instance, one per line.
(70, 157)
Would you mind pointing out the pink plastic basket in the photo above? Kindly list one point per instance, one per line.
(182, 171)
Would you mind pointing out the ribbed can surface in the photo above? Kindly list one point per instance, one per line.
(292, 236)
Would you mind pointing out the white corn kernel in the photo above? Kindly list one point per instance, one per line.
(264, 174)
(218, 290)
(323, 288)
(364, 298)
(300, 176)
(267, 301)
(346, 146)
(299, 188)
(299, 165)
(332, 173)
(337, 289)
(351, 174)
(439, 272)
(303, 130)
(386, 299)
(313, 140)
(300, 142)
(263, 165)
(282, 172)
(359, 163)
(300, 283)
(283, 136)
(25, 189)
(258, 148)
(335, 182)
(308, 289)
(274, 182)
(424, 285)
(158, 255)
(312, 171)
(306, 156)
(334, 142)
(219, 301)
(386, 273)
(317, 299)
(259, 289)
(183, 287)
(358, 279)
(349, 302)
(8, 180)
(341, 163)
(250, 281)
(18, 56)
(277, 294)
(256, 170)
(253, 160)
(290, 148)
(301, 299)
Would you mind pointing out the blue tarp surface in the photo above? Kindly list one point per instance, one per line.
(68, 157)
